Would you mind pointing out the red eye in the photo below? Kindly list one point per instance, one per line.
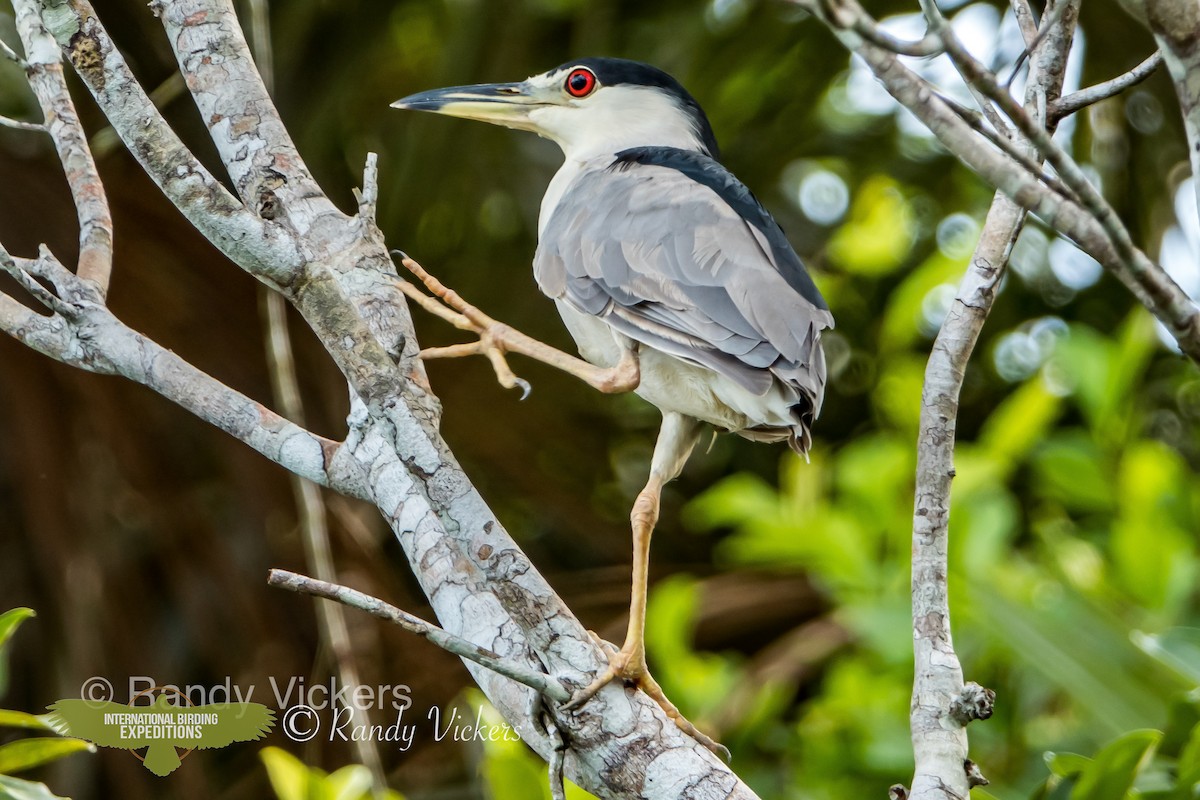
(580, 82)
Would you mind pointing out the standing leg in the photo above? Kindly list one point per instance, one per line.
(676, 439)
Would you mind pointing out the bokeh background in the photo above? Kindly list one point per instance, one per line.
(779, 613)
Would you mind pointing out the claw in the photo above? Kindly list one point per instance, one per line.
(629, 665)
(497, 339)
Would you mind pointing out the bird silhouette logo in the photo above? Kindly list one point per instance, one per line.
(162, 728)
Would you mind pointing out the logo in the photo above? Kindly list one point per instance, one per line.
(162, 728)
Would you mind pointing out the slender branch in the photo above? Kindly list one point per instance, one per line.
(1026, 21)
(1165, 296)
(1175, 24)
(269, 252)
(85, 334)
(21, 125)
(540, 682)
(45, 75)
(1065, 106)
(1146, 280)
(11, 55)
(1012, 149)
(942, 705)
(940, 747)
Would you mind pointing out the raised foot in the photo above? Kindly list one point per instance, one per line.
(629, 666)
(496, 339)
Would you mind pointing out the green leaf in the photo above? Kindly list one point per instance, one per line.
(1111, 773)
(19, 719)
(29, 753)
(1188, 766)
(289, 776)
(350, 782)
(1071, 469)
(1178, 648)
(1064, 765)
(732, 501)
(17, 789)
(879, 232)
(1020, 422)
(9, 622)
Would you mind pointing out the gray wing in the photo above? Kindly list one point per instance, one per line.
(659, 252)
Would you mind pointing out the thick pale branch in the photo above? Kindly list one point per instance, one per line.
(43, 68)
(265, 250)
(215, 59)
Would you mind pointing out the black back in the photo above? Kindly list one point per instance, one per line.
(709, 172)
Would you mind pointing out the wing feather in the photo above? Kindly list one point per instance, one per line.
(684, 259)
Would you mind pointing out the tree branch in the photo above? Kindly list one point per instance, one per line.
(337, 271)
(540, 682)
(43, 69)
(267, 251)
(942, 705)
(1176, 28)
(1146, 280)
(83, 333)
(1066, 106)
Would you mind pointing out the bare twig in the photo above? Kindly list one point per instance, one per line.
(11, 55)
(1026, 21)
(851, 13)
(1065, 106)
(1146, 280)
(1174, 23)
(368, 198)
(538, 681)
(1012, 149)
(45, 75)
(21, 125)
(1161, 289)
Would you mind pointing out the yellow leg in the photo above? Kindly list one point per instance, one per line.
(676, 440)
(496, 339)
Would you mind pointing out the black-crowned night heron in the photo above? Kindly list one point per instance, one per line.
(669, 274)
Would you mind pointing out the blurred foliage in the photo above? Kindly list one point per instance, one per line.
(779, 617)
(28, 752)
(292, 779)
(1073, 569)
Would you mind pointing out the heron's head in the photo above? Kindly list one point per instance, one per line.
(589, 106)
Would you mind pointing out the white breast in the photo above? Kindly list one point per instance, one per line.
(675, 385)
